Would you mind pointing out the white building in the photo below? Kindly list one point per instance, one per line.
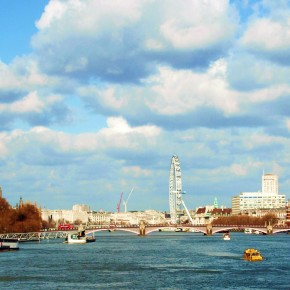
(79, 212)
(127, 218)
(267, 199)
(83, 213)
(270, 183)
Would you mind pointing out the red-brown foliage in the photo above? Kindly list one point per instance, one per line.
(25, 218)
(246, 220)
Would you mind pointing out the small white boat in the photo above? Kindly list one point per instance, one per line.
(226, 237)
(75, 238)
(248, 231)
(9, 244)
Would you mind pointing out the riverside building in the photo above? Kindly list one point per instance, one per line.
(268, 199)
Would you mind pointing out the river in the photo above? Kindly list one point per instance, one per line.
(157, 261)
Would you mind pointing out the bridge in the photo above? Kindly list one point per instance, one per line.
(208, 229)
(143, 230)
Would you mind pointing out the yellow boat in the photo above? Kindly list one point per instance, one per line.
(252, 255)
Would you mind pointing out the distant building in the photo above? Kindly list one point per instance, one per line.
(288, 213)
(83, 213)
(267, 199)
(205, 215)
(270, 183)
(79, 212)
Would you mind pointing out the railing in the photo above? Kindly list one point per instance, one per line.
(37, 236)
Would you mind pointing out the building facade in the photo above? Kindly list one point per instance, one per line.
(267, 199)
(270, 183)
(78, 213)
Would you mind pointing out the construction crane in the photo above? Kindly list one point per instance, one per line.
(119, 203)
(125, 202)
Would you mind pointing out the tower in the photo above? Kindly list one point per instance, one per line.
(0, 192)
(20, 202)
(270, 183)
(215, 203)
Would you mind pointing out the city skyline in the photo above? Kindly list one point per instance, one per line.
(97, 96)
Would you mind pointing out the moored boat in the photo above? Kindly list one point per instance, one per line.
(248, 231)
(226, 237)
(75, 238)
(90, 239)
(252, 255)
(9, 244)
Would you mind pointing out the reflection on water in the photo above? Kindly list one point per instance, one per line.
(157, 261)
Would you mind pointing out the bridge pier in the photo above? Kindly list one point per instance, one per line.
(142, 229)
(269, 230)
(209, 230)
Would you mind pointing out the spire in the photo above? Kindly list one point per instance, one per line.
(0, 191)
(21, 202)
(215, 203)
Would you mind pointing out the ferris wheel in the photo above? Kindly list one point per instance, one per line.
(175, 189)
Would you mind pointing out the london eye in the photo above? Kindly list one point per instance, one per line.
(175, 189)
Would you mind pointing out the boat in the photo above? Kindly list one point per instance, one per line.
(75, 238)
(226, 237)
(90, 239)
(252, 231)
(248, 231)
(9, 244)
(252, 255)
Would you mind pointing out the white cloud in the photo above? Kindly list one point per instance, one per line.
(53, 11)
(177, 92)
(256, 140)
(3, 145)
(118, 134)
(268, 35)
(196, 24)
(23, 74)
(30, 103)
(117, 40)
(288, 124)
(136, 171)
(239, 170)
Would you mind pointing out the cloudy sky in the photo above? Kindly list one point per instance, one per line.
(96, 96)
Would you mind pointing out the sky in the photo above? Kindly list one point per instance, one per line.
(96, 96)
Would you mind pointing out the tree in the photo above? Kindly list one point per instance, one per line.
(24, 218)
(77, 222)
(246, 220)
(5, 215)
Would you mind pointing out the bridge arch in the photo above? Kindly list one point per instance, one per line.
(130, 230)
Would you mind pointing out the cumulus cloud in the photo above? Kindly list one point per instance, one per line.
(269, 37)
(120, 42)
(118, 134)
(30, 103)
(195, 25)
(206, 80)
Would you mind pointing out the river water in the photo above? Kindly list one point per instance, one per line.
(157, 261)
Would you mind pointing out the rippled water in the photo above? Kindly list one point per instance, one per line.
(157, 261)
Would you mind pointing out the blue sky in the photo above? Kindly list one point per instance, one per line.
(96, 97)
